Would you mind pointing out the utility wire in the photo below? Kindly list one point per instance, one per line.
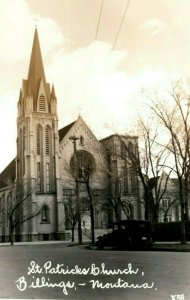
(121, 24)
(99, 20)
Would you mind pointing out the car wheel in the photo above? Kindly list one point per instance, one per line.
(99, 245)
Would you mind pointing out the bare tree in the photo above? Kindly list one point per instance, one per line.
(71, 214)
(148, 161)
(82, 167)
(17, 210)
(114, 165)
(175, 117)
(116, 200)
(75, 175)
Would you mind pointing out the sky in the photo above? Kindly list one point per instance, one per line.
(98, 67)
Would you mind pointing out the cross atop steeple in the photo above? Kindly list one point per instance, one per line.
(36, 21)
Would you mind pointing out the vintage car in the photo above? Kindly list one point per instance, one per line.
(127, 234)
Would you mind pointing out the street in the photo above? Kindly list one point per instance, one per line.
(56, 271)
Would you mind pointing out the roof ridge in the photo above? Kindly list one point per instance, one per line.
(63, 131)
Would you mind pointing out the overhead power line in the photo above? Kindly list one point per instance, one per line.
(121, 24)
(99, 20)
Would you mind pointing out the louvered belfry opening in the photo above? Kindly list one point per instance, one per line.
(42, 105)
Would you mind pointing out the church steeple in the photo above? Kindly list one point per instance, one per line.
(36, 73)
(37, 161)
(36, 68)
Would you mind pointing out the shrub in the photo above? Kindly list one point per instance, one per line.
(169, 231)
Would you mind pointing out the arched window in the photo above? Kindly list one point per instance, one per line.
(81, 140)
(47, 178)
(48, 140)
(45, 214)
(132, 180)
(130, 149)
(42, 103)
(123, 149)
(39, 181)
(39, 140)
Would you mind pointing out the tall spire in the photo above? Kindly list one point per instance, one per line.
(36, 70)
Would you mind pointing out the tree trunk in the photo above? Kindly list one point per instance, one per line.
(183, 231)
(92, 223)
(73, 233)
(182, 204)
(11, 233)
(148, 206)
(78, 214)
(186, 200)
(117, 214)
(146, 212)
(156, 213)
(91, 212)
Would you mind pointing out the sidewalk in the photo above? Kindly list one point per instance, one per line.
(158, 246)
(35, 243)
(171, 246)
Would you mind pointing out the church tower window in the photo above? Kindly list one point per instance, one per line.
(42, 105)
(47, 178)
(39, 140)
(123, 149)
(38, 177)
(130, 149)
(47, 140)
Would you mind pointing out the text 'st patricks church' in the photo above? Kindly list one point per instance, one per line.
(42, 176)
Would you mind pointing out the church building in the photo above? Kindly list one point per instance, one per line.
(39, 185)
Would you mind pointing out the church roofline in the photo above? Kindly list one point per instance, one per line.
(63, 131)
(120, 135)
(9, 173)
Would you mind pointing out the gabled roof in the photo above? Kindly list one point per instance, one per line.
(8, 174)
(152, 182)
(63, 131)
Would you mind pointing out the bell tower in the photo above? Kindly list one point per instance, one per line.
(37, 147)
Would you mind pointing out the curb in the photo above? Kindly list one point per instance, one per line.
(161, 248)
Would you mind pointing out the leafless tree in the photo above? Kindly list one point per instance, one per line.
(116, 200)
(82, 167)
(148, 161)
(17, 211)
(71, 213)
(175, 118)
